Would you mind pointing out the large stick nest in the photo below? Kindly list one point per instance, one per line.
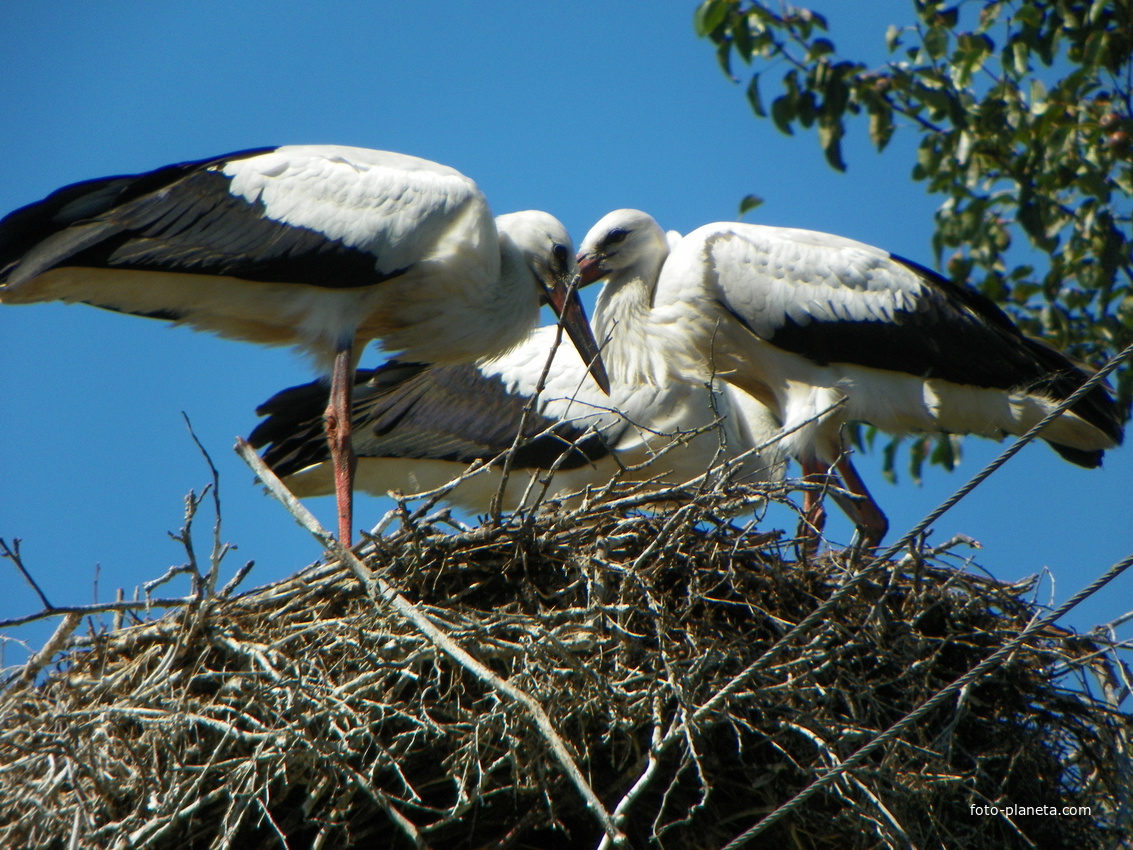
(308, 714)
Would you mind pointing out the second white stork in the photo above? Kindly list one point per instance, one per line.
(418, 427)
(319, 246)
(824, 331)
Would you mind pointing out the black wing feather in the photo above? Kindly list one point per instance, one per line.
(23, 229)
(181, 218)
(959, 336)
(409, 410)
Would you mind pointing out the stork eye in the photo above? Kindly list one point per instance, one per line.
(615, 237)
(562, 257)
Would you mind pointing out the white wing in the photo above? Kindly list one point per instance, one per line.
(769, 276)
(393, 206)
(834, 300)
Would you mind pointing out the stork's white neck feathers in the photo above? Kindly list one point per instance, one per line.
(623, 317)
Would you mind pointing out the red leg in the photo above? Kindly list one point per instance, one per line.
(337, 423)
(863, 511)
(814, 514)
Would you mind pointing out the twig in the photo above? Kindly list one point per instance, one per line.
(219, 550)
(175, 571)
(496, 505)
(55, 643)
(236, 580)
(98, 608)
(12, 553)
(652, 763)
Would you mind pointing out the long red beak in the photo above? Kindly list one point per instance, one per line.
(564, 299)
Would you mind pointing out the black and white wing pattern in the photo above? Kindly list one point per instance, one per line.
(404, 410)
(832, 300)
(320, 215)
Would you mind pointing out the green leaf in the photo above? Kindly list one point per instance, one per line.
(869, 437)
(806, 107)
(1030, 217)
(918, 451)
(936, 42)
(748, 203)
(972, 52)
(1096, 49)
(1020, 59)
(830, 137)
(889, 460)
(783, 113)
(818, 48)
(1038, 97)
(1029, 15)
(836, 93)
(753, 97)
(989, 15)
(928, 157)
(741, 35)
(945, 452)
(709, 15)
(880, 126)
(724, 57)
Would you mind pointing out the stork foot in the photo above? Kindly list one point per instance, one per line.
(871, 524)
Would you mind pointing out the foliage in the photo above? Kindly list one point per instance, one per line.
(1024, 114)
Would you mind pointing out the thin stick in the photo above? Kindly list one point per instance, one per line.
(12, 553)
(42, 658)
(219, 550)
(98, 608)
(496, 506)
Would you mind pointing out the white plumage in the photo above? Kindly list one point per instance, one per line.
(298, 245)
(803, 321)
(319, 246)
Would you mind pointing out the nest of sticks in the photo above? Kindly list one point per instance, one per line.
(638, 671)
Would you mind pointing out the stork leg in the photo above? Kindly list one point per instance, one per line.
(336, 420)
(863, 511)
(814, 513)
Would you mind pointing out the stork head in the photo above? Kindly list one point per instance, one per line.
(623, 239)
(542, 243)
(548, 252)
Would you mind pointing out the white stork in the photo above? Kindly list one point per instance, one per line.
(418, 427)
(318, 246)
(802, 321)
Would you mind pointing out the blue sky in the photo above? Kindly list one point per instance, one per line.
(575, 108)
